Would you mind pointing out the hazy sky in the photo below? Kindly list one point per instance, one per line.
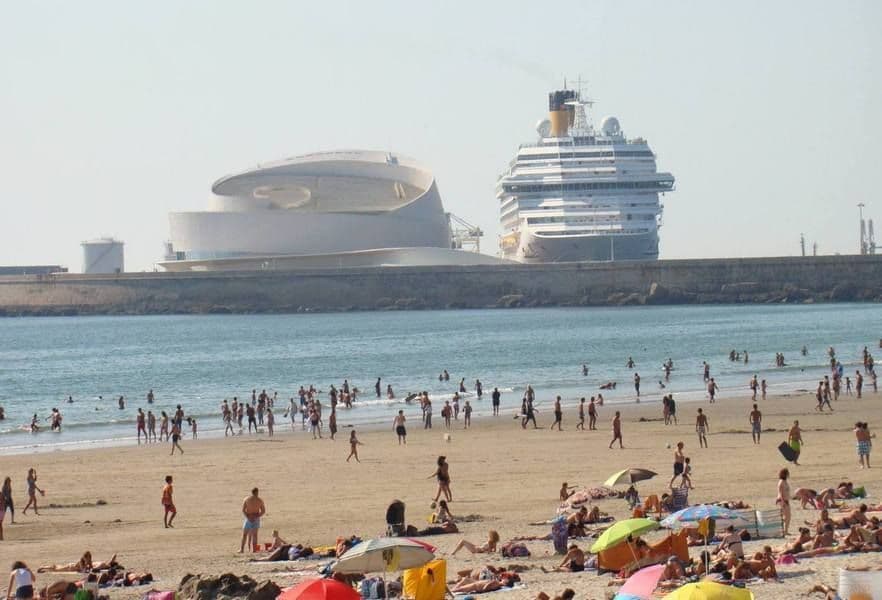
(112, 114)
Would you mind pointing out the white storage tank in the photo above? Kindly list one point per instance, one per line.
(104, 255)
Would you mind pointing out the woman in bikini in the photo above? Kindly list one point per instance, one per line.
(353, 446)
(488, 547)
(573, 561)
(442, 474)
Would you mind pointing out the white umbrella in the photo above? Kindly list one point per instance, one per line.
(384, 554)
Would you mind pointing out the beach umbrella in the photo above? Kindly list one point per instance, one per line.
(384, 554)
(629, 476)
(709, 590)
(620, 531)
(641, 584)
(319, 589)
(691, 515)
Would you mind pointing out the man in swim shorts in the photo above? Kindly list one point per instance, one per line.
(253, 509)
(168, 503)
(756, 424)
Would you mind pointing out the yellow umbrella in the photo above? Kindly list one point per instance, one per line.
(621, 531)
(629, 477)
(709, 590)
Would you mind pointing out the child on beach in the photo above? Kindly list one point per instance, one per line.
(686, 480)
(353, 447)
(168, 503)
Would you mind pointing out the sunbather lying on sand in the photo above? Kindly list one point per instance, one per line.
(567, 594)
(84, 565)
(857, 516)
(796, 546)
(483, 579)
(489, 545)
(63, 589)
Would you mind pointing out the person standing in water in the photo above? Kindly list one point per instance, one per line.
(617, 430)
(467, 415)
(756, 424)
(141, 420)
(637, 384)
(712, 388)
(353, 446)
(701, 428)
(399, 428)
(496, 397)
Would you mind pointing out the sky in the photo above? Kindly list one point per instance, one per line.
(113, 114)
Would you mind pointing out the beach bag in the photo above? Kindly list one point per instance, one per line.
(559, 534)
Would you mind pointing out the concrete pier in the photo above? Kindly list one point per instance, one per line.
(738, 280)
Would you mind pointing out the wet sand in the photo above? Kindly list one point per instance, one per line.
(502, 476)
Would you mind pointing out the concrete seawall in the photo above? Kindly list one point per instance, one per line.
(791, 279)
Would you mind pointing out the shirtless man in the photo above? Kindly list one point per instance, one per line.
(756, 424)
(712, 388)
(592, 414)
(637, 384)
(142, 426)
(558, 415)
(573, 562)
(399, 427)
(701, 428)
(679, 461)
(253, 509)
(617, 430)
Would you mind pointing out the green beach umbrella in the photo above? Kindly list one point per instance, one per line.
(620, 531)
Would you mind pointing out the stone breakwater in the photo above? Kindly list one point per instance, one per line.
(705, 281)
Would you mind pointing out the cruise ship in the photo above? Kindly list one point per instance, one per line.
(580, 194)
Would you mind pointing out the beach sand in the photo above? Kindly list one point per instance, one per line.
(503, 476)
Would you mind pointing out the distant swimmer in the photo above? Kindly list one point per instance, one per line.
(804, 350)
(462, 387)
(121, 402)
(630, 363)
(609, 385)
(584, 370)
(150, 396)
(70, 399)
(706, 371)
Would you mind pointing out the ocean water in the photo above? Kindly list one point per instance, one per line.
(197, 361)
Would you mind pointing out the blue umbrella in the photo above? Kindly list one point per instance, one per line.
(691, 515)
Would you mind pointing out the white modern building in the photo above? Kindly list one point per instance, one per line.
(327, 209)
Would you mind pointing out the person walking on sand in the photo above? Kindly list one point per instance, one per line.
(592, 414)
(783, 499)
(151, 426)
(332, 422)
(271, 421)
(168, 503)
(858, 383)
(712, 388)
(794, 440)
(32, 491)
(353, 446)
(581, 423)
(466, 415)
(253, 509)
(558, 415)
(617, 430)
(442, 475)
(756, 424)
(529, 415)
(701, 428)
(176, 437)
(141, 420)
(6, 497)
(399, 428)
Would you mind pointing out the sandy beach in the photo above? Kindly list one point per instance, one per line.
(503, 478)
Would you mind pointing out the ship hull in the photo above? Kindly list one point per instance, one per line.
(540, 249)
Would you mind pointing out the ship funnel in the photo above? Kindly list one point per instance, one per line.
(561, 114)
